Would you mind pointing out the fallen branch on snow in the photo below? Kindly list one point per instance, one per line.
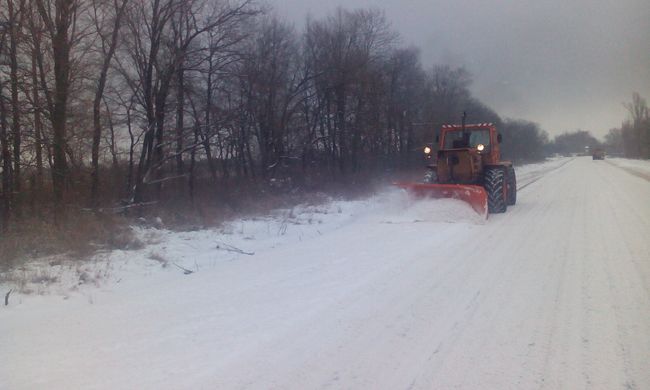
(131, 205)
(120, 209)
(185, 270)
(7, 297)
(230, 248)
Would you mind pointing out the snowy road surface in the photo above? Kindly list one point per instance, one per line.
(387, 293)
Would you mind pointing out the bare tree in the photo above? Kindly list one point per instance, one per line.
(449, 92)
(38, 120)
(59, 19)
(200, 41)
(15, 18)
(102, 15)
(159, 42)
(5, 153)
(405, 90)
(638, 128)
(523, 141)
(614, 141)
(147, 70)
(6, 161)
(40, 98)
(348, 44)
(274, 84)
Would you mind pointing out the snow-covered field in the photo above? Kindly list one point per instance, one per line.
(383, 293)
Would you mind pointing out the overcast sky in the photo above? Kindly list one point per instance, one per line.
(565, 64)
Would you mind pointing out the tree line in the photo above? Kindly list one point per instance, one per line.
(140, 100)
(632, 139)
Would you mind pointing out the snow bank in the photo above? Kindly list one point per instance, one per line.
(172, 252)
(639, 167)
(168, 251)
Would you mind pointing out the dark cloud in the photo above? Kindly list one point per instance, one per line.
(564, 64)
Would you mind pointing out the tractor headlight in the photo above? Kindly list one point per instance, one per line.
(427, 150)
(480, 147)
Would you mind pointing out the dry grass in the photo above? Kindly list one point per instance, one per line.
(82, 233)
(58, 274)
(79, 235)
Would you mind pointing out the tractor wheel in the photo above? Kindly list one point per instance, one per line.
(495, 183)
(512, 187)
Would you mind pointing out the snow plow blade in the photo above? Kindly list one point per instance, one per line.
(472, 194)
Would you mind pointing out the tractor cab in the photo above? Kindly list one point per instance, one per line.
(463, 152)
(479, 138)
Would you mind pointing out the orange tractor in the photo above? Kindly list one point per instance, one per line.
(468, 166)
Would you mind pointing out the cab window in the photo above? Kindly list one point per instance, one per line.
(458, 139)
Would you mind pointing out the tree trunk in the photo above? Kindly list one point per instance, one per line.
(99, 93)
(180, 111)
(59, 34)
(143, 163)
(191, 181)
(341, 127)
(157, 165)
(6, 166)
(15, 21)
(129, 180)
(38, 126)
(204, 138)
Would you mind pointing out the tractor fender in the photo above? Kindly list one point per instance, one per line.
(503, 164)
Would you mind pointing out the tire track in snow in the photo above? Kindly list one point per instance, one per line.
(537, 178)
(499, 278)
(588, 340)
(553, 324)
(623, 196)
(620, 281)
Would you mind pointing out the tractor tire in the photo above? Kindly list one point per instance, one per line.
(495, 183)
(512, 187)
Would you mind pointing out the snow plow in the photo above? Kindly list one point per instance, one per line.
(468, 167)
(474, 195)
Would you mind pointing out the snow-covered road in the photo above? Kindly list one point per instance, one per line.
(381, 294)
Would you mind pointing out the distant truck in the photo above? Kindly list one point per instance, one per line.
(598, 154)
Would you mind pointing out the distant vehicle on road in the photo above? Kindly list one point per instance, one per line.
(599, 154)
